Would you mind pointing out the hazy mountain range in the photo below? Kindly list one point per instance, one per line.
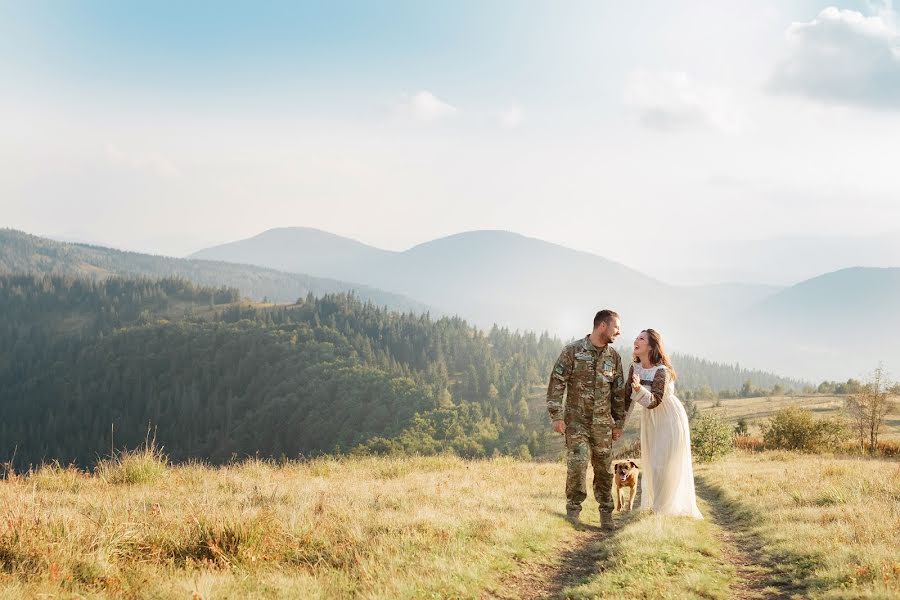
(776, 261)
(836, 325)
(489, 276)
(24, 253)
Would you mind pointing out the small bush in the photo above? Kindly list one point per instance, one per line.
(793, 428)
(748, 443)
(143, 465)
(711, 438)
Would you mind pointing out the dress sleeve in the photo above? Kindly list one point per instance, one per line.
(653, 397)
(658, 387)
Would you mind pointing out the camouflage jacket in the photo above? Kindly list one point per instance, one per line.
(593, 384)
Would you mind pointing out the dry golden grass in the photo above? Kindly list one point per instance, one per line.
(829, 526)
(370, 528)
(439, 527)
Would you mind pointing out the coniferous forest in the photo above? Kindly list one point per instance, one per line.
(87, 365)
(90, 363)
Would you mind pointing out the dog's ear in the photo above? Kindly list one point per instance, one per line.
(633, 464)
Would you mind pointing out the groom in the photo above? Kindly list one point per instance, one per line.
(589, 373)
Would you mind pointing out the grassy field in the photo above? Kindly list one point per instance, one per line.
(826, 527)
(776, 524)
(756, 410)
(371, 528)
(442, 527)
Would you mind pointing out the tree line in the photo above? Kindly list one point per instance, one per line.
(324, 375)
(88, 363)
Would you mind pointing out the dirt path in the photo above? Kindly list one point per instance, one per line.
(573, 561)
(755, 576)
(576, 558)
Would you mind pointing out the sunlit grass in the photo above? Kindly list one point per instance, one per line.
(829, 526)
(656, 556)
(328, 528)
(143, 465)
(432, 527)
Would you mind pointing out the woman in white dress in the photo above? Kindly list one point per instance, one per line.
(667, 478)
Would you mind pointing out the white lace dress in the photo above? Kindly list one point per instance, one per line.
(667, 477)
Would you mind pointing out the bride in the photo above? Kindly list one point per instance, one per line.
(667, 480)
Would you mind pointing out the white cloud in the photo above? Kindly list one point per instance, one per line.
(512, 117)
(425, 106)
(671, 101)
(843, 56)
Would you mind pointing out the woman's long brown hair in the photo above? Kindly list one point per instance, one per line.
(658, 354)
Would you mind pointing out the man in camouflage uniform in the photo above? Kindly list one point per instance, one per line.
(589, 373)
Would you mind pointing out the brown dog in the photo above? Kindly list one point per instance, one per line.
(626, 476)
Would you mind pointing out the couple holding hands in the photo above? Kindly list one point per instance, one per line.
(598, 398)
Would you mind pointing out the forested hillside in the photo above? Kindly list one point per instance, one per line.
(323, 375)
(24, 253)
(89, 363)
(705, 377)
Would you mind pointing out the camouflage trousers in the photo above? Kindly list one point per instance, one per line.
(588, 442)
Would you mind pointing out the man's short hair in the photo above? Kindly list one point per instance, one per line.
(605, 315)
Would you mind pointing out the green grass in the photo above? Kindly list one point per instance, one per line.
(655, 556)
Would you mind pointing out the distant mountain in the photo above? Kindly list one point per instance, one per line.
(526, 283)
(857, 294)
(837, 325)
(781, 261)
(487, 276)
(729, 298)
(503, 277)
(299, 250)
(24, 253)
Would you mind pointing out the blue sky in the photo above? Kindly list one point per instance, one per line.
(167, 126)
(295, 48)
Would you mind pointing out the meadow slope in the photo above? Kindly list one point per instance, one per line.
(443, 527)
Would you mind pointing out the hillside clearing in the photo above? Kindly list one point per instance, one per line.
(445, 527)
(756, 410)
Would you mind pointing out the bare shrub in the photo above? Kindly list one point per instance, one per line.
(868, 407)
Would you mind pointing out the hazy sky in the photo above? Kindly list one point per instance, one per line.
(611, 127)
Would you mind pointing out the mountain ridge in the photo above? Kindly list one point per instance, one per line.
(497, 276)
(21, 252)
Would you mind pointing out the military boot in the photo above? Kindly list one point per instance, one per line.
(572, 516)
(606, 520)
